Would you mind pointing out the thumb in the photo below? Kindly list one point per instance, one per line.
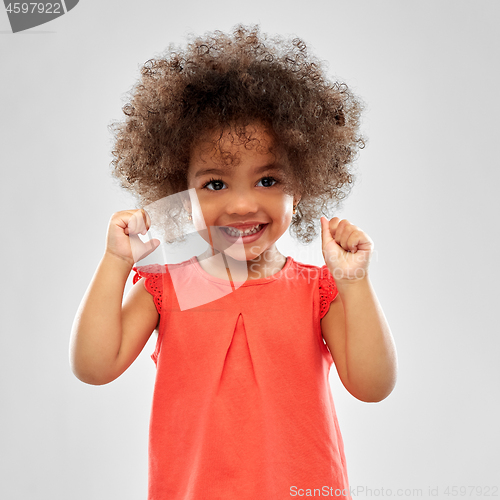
(141, 250)
(151, 246)
(326, 235)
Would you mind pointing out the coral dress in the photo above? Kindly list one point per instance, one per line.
(242, 408)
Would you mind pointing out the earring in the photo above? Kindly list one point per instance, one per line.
(294, 209)
(190, 217)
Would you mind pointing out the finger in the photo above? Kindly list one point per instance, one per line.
(353, 241)
(122, 220)
(131, 224)
(328, 229)
(139, 249)
(347, 231)
(339, 236)
(146, 220)
(364, 243)
(334, 226)
(142, 221)
(136, 224)
(326, 235)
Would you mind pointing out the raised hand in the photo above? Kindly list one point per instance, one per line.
(346, 249)
(122, 239)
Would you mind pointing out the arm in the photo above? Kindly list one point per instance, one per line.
(355, 327)
(359, 338)
(107, 335)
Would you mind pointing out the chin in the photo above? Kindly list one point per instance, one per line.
(239, 255)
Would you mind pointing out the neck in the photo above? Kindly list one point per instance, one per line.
(269, 262)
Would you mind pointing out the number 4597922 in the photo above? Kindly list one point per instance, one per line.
(38, 7)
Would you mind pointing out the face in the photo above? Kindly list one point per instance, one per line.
(246, 196)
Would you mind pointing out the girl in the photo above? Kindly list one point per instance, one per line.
(242, 407)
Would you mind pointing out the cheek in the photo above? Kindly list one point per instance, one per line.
(285, 209)
(198, 211)
(206, 211)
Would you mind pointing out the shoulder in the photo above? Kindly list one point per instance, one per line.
(320, 278)
(153, 282)
(311, 271)
(148, 271)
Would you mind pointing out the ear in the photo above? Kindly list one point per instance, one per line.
(187, 206)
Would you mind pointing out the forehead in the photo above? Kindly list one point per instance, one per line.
(229, 147)
(224, 170)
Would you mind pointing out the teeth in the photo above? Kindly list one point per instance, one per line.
(236, 232)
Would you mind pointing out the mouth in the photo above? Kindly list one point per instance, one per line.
(247, 236)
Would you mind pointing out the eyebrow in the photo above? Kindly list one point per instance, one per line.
(221, 171)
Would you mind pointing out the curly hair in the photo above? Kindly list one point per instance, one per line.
(222, 81)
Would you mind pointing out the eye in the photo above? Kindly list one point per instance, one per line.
(215, 182)
(267, 179)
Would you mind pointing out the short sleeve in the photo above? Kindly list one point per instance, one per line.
(153, 276)
(327, 290)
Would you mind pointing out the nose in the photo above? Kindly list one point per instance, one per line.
(242, 202)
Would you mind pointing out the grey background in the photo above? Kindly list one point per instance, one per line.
(426, 194)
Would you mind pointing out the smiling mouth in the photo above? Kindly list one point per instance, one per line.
(231, 231)
(250, 233)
